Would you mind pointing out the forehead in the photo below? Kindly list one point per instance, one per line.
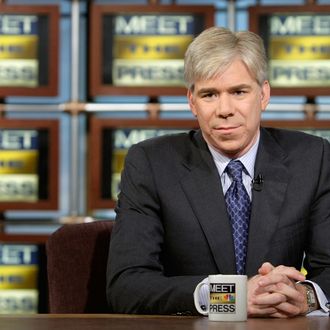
(236, 74)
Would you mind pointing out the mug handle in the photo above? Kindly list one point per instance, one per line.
(196, 299)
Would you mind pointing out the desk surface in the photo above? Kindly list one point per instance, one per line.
(139, 322)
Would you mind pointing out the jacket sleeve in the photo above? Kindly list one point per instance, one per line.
(136, 282)
(317, 258)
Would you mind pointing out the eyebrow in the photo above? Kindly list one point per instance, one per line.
(232, 88)
(241, 86)
(207, 90)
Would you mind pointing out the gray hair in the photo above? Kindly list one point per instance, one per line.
(212, 51)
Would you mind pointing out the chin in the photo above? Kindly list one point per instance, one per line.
(231, 151)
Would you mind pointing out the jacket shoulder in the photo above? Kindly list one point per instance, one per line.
(287, 137)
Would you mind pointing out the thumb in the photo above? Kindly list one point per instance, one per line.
(265, 268)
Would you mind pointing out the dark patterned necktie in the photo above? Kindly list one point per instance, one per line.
(239, 209)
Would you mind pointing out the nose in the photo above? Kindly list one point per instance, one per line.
(224, 107)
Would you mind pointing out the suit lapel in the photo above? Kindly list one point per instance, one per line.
(202, 187)
(267, 203)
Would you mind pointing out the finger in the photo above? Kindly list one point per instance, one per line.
(271, 305)
(289, 291)
(288, 309)
(279, 315)
(274, 278)
(265, 268)
(290, 272)
(268, 299)
(282, 285)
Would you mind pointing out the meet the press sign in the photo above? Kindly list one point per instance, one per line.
(223, 298)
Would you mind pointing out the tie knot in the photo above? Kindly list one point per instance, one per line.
(234, 170)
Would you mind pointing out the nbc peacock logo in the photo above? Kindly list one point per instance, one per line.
(228, 298)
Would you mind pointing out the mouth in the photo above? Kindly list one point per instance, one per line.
(227, 129)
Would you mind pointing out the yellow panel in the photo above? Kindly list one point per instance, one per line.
(151, 47)
(18, 162)
(19, 47)
(18, 277)
(300, 48)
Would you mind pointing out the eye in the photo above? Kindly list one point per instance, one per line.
(208, 95)
(239, 92)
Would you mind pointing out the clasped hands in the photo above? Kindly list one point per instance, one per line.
(274, 292)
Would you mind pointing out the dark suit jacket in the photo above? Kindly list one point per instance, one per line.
(172, 228)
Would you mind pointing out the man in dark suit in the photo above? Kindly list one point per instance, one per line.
(172, 227)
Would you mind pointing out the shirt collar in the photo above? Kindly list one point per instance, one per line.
(248, 159)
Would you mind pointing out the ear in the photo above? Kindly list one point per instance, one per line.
(265, 95)
(191, 102)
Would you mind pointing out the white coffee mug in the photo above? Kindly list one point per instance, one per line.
(227, 297)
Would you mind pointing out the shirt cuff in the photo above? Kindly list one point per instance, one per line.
(203, 297)
(321, 297)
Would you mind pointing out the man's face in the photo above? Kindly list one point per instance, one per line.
(228, 109)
